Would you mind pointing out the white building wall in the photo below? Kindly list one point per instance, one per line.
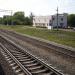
(41, 21)
(50, 21)
(65, 20)
(61, 23)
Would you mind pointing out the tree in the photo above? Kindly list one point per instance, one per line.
(31, 18)
(18, 18)
(0, 20)
(71, 20)
(27, 21)
(7, 19)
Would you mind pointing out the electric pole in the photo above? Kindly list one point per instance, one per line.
(57, 18)
(11, 18)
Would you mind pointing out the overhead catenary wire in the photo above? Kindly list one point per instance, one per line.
(10, 11)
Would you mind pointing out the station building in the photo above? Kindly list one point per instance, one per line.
(50, 21)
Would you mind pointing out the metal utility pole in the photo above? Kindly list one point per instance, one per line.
(57, 18)
(11, 18)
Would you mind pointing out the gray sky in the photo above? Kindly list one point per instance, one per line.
(38, 7)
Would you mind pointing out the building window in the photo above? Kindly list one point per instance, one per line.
(53, 18)
(50, 21)
(50, 24)
(61, 19)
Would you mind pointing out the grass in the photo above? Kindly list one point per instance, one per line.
(62, 37)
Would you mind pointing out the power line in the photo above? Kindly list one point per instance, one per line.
(3, 10)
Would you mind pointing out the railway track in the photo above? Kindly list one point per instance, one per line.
(40, 44)
(24, 63)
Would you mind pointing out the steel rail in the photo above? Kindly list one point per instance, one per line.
(19, 64)
(67, 52)
(16, 45)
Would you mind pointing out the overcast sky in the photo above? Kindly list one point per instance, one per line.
(38, 7)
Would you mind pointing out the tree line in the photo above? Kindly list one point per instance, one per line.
(71, 20)
(18, 18)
